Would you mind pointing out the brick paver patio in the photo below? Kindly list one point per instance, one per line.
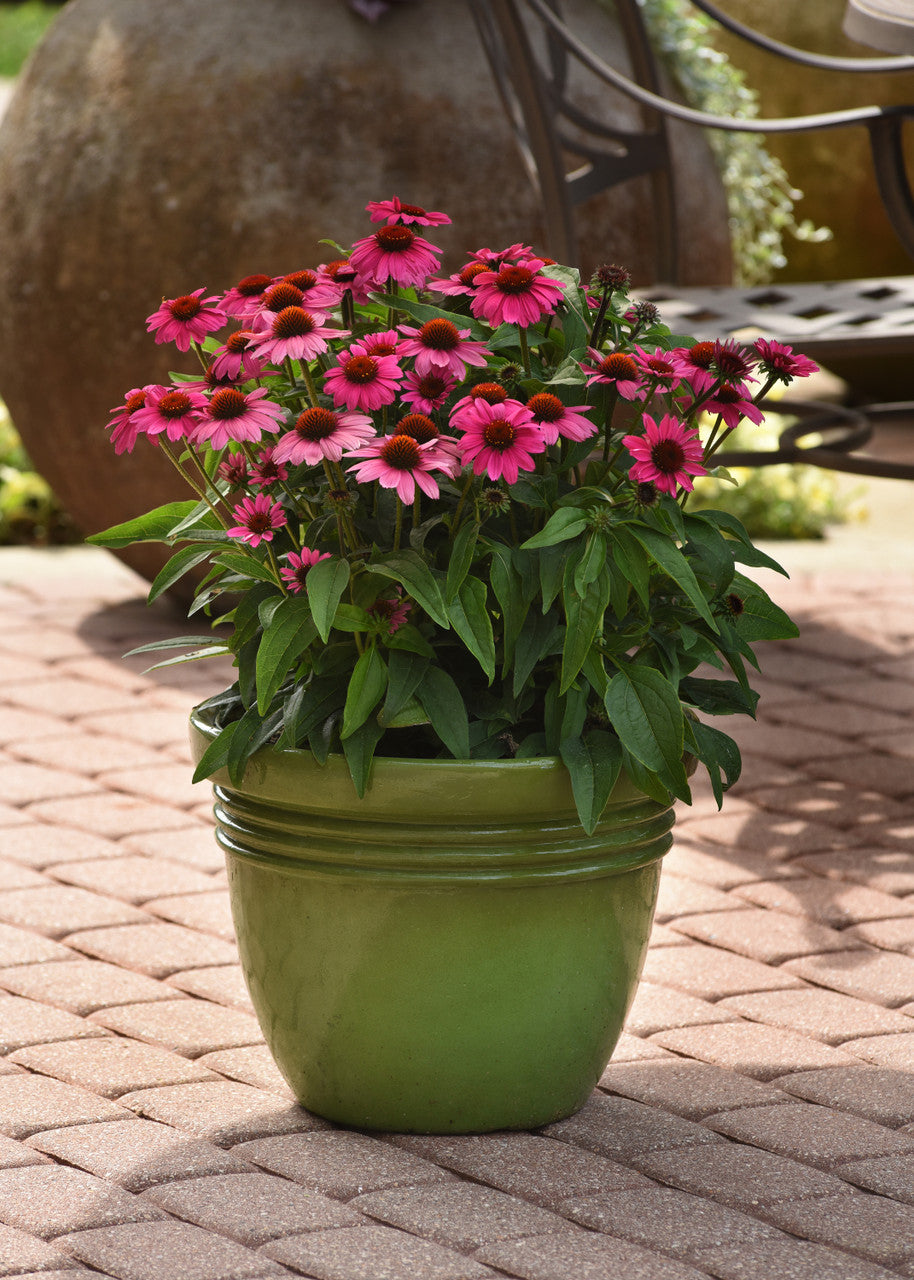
(757, 1119)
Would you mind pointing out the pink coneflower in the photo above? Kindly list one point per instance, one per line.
(385, 343)
(280, 294)
(462, 282)
(518, 294)
(258, 519)
(236, 359)
(556, 419)
(341, 273)
(732, 360)
(491, 392)
(500, 440)
(363, 381)
(399, 462)
(514, 254)
(295, 333)
(657, 368)
(318, 293)
(175, 410)
(694, 364)
(393, 211)
(187, 319)
(418, 426)
(234, 469)
(267, 470)
(243, 299)
(440, 347)
(731, 401)
(125, 430)
(426, 394)
(783, 362)
(392, 610)
(615, 369)
(235, 415)
(294, 574)
(395, 254)
(667, 455)
(320, 433)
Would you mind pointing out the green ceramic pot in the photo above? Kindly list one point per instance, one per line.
(450, 954)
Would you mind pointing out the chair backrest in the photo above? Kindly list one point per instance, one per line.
(531, 49)
(570, 155)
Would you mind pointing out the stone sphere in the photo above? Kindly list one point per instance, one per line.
(150, 150)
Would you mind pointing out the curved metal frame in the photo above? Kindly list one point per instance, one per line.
(844, 430)
(538, 105)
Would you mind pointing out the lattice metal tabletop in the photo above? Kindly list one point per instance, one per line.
(827, 319)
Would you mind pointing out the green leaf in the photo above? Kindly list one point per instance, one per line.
(675, 566)
(318, 703)
(569, 373)
(594, 763)
(215, 757)
(591, 561)
(717, 697)
(246, 565)
(718, 753)
(175, 642)
(746, 552)
(538, 636)
(349, 617)
(410, 638)
(325, 584)
(552, 561)
(252, 731)
(154, 526)
(366, 689)
(195, 655)
(246, 620)
(645, 711)
(470, 619)
(177, 565)
(760, 619)
(632, 562)
(404, 675)
(423, 312)
(200, 523)
(508, 589)
(583, 620)
(645, 779)
(411, 713)
(575, 325)
(288, 635)
(711, 554)
(445, 709)
(413, 574)
(359, 748)
(565, 523)
(460, 558)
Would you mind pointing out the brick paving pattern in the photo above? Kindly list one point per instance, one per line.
(756, 1121)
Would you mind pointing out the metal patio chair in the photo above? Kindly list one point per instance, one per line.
(571, 156)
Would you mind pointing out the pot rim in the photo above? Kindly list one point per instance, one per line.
(506, 789)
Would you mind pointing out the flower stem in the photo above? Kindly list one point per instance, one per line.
(455, 523)
(309, 382)
(524, 349)
(201, 493)
(514, 533)
(612, 396)
(274, 565)
(398, 529)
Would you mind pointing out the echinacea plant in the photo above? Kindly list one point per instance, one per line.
(446, 516)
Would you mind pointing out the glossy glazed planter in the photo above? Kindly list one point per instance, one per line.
(450, 954)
